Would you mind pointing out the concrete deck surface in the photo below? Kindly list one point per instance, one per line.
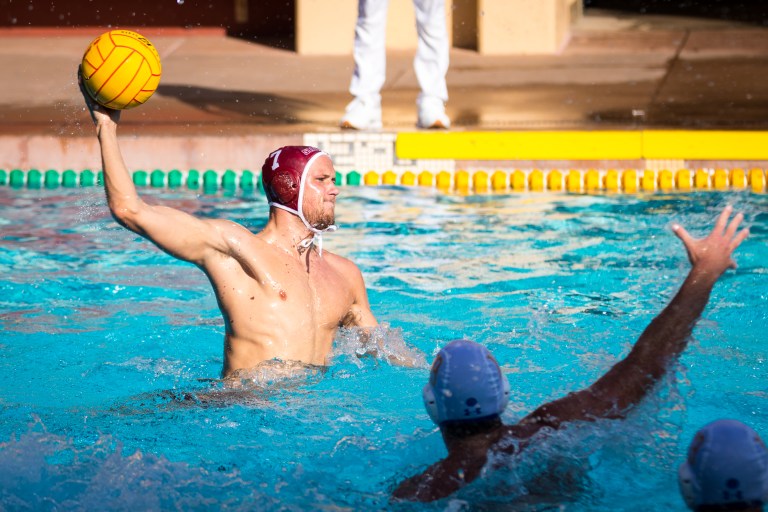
(616, 72)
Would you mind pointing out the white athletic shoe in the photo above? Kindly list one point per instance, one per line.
(362, 115)
(432, 114)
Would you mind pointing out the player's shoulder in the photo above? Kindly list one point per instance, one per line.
(343, 265)
(336, 259)
(236, 237)
(229, 227)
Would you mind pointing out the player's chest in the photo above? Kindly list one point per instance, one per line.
(321, 287)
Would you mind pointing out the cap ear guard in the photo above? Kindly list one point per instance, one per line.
(689, 487)
(505, 387)
(284, 188)
(765, 476)
(506, 390)
(430, 404)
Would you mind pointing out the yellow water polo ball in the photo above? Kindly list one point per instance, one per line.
(121, 69)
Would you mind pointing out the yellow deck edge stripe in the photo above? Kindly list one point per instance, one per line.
(510, 145)
(584, 145)
(705, 145)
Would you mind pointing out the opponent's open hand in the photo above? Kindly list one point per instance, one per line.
(713, 253)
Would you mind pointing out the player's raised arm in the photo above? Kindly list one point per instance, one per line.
(179, 234)
(629, 380)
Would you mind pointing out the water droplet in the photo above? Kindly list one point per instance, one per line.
(180, 2)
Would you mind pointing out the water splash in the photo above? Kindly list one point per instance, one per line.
(382, 342)
(43, 471)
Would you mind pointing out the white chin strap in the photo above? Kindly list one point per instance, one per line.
(317, 234)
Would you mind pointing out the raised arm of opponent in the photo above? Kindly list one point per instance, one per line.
(611, 396)
(175, 232)
(629, 380)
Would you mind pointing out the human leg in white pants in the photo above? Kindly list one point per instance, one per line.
(431, 63)
(364, 112)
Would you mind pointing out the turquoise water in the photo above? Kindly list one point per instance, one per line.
(110, 351)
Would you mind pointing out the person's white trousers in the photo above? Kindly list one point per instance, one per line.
(430, 64)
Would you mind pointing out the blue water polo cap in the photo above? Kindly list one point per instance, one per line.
(465, 383)
(727, 464)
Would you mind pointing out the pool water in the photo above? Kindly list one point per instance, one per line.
(111, 350)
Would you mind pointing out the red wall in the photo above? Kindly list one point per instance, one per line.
(265, 18)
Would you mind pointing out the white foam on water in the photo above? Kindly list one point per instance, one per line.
(383, 342)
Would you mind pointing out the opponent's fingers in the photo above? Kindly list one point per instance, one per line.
(722, 220)
(688, 241)
(734, 225)
(682, 234)
(740, 237)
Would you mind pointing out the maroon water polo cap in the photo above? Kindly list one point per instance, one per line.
(283, 175)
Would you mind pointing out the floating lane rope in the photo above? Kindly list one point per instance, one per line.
(460, 181)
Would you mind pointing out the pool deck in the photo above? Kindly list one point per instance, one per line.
(625, 90)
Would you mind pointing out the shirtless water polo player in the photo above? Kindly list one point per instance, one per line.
(281, 296)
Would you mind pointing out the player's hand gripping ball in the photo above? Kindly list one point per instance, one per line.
(121, 69)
